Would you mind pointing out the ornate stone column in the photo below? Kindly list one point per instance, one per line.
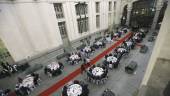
(129, 9)
(155, 20)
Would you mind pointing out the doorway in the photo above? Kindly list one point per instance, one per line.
(4, 54)
(66, 42)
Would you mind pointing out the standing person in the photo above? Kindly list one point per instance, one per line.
(18, 90)
(86, 61)
(82, 68)
(20, 80)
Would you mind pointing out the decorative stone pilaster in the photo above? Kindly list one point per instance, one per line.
(129, 9)
(155, 20)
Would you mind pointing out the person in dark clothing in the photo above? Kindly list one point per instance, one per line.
(64, 92)
(61, 65)
(4, 66)
(82, 68)
(36, 78)
(124, 44)
(20, 80)
(112, 35)
(25, 91)
(18, 91)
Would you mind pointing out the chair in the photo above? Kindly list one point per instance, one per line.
(34, 68)
(130, 68)
(144, 49)
(97, 82)
(93, 80)
(23, 66)
(102, 81)
(151, 39)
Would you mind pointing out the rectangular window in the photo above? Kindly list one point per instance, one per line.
(59, 10)
(62, 28)
(97, 21)
(81, 9)
(114, 5)
(97, 7)
(110, 6)
(83, 24)
(109, 22)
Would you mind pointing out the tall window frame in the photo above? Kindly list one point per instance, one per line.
(82, 20)
(97, 21)
(62, 29)
(114, 5)
(97, 7)
(109, 16)
(81, 9)
(110, 5)
(59, 10)
(83, 25)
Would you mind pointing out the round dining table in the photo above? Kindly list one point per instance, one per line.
(74, 57)
(111, 59)
(53, 66)
(74, 90)
(97, 71)
(87, 49)
(28, 82)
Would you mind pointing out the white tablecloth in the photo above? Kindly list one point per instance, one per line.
(87, 49)
(116, 34)
(74, 57)
(28, 82)
(121, 49)
(74, 90)
(97, 71)
(129, 43)
(53, 66)
(142, 30)
(112, 59)
(98, 43)
(135, 37)
(125, 29)
(108, 39)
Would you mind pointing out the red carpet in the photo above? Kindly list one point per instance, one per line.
(75, 73)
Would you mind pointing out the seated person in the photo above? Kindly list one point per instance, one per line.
(18, 90)
(76, 82)
(106, 56)
(61, 65)
(92, 48)
(36, 78)
(110, 54)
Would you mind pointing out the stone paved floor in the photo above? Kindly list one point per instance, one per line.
(120, 82)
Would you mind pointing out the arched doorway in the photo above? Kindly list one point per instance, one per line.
(4, 54)
(124, 16)
(142, 13)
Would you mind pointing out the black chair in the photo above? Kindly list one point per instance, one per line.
(144, 49)
(23, 66)
(34, 68)
(62, 55)
(151, 39)
(130, 68)
(108, 92)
